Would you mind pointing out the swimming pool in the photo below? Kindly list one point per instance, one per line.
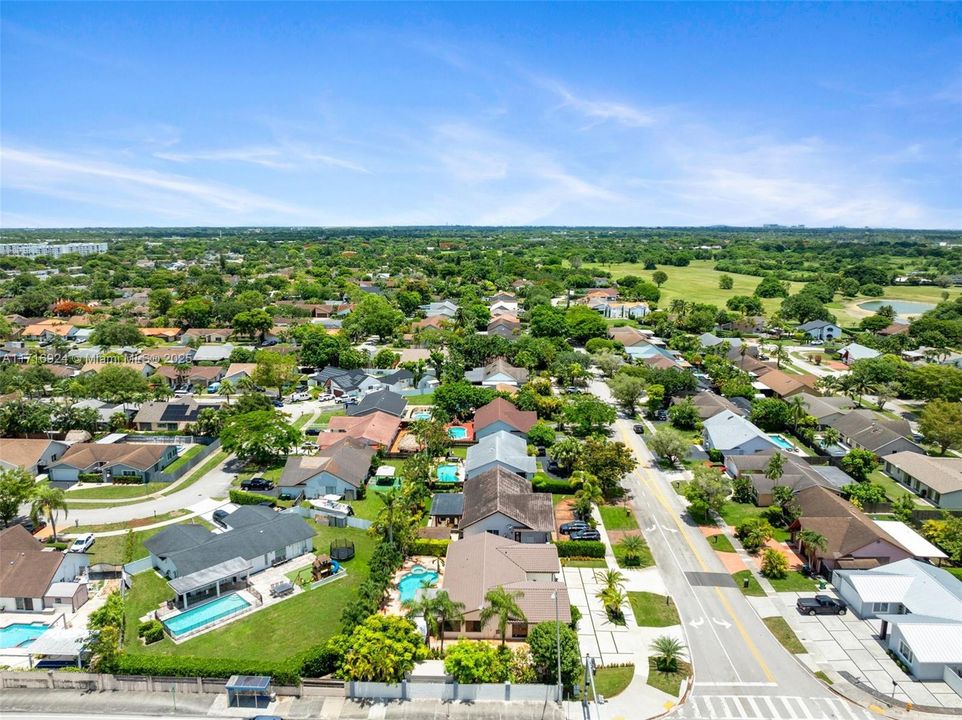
(21, 634)
(457, 432)
(781, 442)
(210, 612)
(448, 473)
(412, 581)
(421, 415)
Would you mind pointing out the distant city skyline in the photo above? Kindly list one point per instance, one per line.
(640, 114)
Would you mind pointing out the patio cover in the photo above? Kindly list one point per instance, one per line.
(61, 642)
(209, 576)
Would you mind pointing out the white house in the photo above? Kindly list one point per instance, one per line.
(937, 479)
(821, 330)
(853, 352)
(734, 435)
(502, 449)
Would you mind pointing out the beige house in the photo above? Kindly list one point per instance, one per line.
(937, 479)
(34, 456)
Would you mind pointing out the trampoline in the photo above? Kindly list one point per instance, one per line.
(342, 549)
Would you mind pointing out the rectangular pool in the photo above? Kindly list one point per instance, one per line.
(781, 442)
(458, 433)
(206, 614)
(21, 634)
(448, 473)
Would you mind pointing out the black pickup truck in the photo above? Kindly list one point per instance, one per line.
(821, 605)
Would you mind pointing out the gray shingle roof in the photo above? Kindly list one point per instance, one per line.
(447, 504)
(383, 401)
(501, 447)
(501, 491)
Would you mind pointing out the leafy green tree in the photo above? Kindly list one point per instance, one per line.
(460, 399)
(543, 641)
(947, 534)
(860, 464)
(931, 381)
(47, 499)
(373, 315)
(259, 437)
(316, 347)
(119, 384)
(726, 282)
(608, 461)
(633, 549)
(669, 444)
(903, 507)
(16, 488)
(656, 398)
(111, 332)
(708, 487)
(660, 277)
(774, 564)
(502, 605)
(548, 322)
(811, 543)
(864, 494)
(253, 323)
(566, 453)
(770, 414)
(275, 370)
(68, 417)
(941, 424)
(754, 532)
(743, 491)
(775, 467)
(541, 434)
(587, 414)
(23, 418)
(584, 323)
(627, 390)
(385, 358)
(195, 312)
(771, 287)
(608, 362)
(159, 301)
(473, 661)
(383, 648)
(684, 415)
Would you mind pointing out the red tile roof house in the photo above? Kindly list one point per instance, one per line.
(377, 430)
(32, 578)
(500, 414)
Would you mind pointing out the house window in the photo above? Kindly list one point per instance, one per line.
(472, 626)
(880, 607)
(493, 532)
(519, 630)
(906, 652)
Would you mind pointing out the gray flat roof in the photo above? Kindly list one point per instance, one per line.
(209, 576)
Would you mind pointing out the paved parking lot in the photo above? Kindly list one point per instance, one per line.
(847, 643)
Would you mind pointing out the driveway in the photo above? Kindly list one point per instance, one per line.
(846, 643)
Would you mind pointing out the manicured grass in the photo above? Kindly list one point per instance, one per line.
(646, 560)
(584, 563)
(114, 492)
(784, 634)
(823, 677)
(148, 592)
(668, 682)
(618, 517)
(110, 549)
(272, 473)
(956, 571)
(140, 522)
(183, 459)
(427, 399)
(894, 489)
(794, 582)
(611, 681)
(459, 452)
(721, 543)
(734, 514)
(367, 508)
(653, 610)
(302, 420)
(325, 417)
(753, 589)
(213, 461)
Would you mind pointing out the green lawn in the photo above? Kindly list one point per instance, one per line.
(611, 681)
(183, 459)
(794, 582)
(302, 420)
(647, 559)
(721, 543)
(584, 563)
(668, 682)
(213, 461)
(735, 514)
(753, 589)
(427, 399)
(893, 489)
(110, 549)
(653, 610)
(72, 530)
(459, 452)
(367, 508)
(114, 492)
(272, 473)
(618, 517)
(956, 571)
(784, 634)
(325, 417)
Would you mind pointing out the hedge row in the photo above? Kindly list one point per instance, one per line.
(559, 487)
(580, 548)
(284, 673)
(437, 548)
(242, 497)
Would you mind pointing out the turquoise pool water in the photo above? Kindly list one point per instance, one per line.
(458, 433)
(210, 612)
(781, 442)
(448, 473)
(421, 416)
(417, 578)
(20, 634)
(902, 308)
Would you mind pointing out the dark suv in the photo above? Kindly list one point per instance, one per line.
(587, 534)
(821, 605)
(257, 483)
(574, 526)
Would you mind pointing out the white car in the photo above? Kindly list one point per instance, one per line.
(326, 397)
(82, 543)
(300, 397)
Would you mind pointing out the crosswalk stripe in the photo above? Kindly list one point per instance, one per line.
(724, 707)
(755, 709)
(770, 707)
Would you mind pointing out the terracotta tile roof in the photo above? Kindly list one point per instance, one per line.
(501, 409)
(376, 428)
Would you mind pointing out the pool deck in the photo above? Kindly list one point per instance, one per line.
(393, 605)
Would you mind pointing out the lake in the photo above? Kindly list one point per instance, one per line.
(904, 309)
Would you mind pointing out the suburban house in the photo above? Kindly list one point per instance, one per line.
(709, 404)
(339, 469)
(113, 461)
(208, 335)
(34, 456)
(854, 352)
(497, 372)
(820, 330)
(500, 449)
(937, 479)
(238, 371)
(731, 434)
(376, 429)
(853, 541)
(106, 411)
(402, 381)
(196, 376)
(436, 322)
(825, 410)
(796, 474)
(503, 307)
(445, 308)
(503, 503)
(165, 334)
(213, 353)
(896, 328)
(48, 330)
(383, 401)
(870, 431)
(506, 326)
(627, 336)
(201, 564)
(167, 415)
(33, 578)
(782, 385)
(920, 608)
(482, 562)
(346, 383)
(645, 351)
(501, 415)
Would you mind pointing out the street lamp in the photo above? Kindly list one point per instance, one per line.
(557, 628)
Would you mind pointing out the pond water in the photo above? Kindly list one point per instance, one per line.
(903, 308)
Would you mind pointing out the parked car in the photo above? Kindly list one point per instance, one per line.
(661, 415)
(821, 605)
(588, 534)
(325, 397)
(312, 431)
(213, 388)
(82, 543)
(639, 428)
(270, 342)
(300, 397)
(277, 404)
(257, 483)
(817, 342)
(573, 527)
(219, 516)
(29, 525)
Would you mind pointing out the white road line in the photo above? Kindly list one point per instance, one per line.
(755, 709)
(735, 684)
(771, 706)
(802, 704)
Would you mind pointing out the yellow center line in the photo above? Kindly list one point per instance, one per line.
(659, 495)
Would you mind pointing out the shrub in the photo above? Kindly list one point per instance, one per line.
(242, 497)
(151, 631)
(127, 480)
(436, 548)
(774, 564)
(576, 548)
(284, 673)
(543, 483)
(320, 660)
(90, 477)
(575, 617)
(475, 661)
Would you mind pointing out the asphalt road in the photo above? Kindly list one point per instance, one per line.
(741, 670)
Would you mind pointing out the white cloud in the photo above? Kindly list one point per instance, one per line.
(600, 111)
(289, 156)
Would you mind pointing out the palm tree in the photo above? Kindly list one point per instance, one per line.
(246, 384)
(811, 542)
(445, 610)
(392, 504)
(226, 389)
(863, 386)
(827, 384)
(775, 468)
(610, 578)
(502, 604)
(796, 410)
(668, 651)
(613, 598)
(47, 500)
(589, 494)
(779, 353)
(831, 436)
(632, 547)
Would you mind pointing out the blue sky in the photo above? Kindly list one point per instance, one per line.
(376, 114)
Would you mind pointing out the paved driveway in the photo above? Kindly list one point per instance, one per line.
(850, 644)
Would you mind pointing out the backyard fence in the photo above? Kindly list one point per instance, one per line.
(187, 465)
(451, 691)
(138, 566)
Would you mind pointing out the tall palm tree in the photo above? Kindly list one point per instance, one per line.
(863, 386)
(226, 389)
(589, 494)
(48, 500)
(828, 384)
(393, 502)
(780, 354)
(775, 468)
(610, 578)
(668, 651)
(246, 384)
(796, 410)
(503, 605)
(445, 610)
(811, 542)
(830, 436)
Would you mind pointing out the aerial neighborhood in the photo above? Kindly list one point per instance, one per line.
(484, 458)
